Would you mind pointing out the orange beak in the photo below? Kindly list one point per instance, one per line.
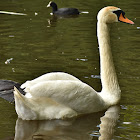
(124, 19)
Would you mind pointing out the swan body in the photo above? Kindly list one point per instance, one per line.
(60, 95)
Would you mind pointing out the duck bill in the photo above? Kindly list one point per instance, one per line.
(125, 20)
(49, 5)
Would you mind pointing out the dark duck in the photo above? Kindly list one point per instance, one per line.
(62, 11)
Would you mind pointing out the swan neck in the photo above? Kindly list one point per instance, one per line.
(108, 75)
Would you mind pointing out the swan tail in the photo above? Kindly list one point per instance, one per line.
(17, 94)
(40, 108)
(84, 12)
(24, 106)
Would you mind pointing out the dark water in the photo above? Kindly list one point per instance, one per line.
(38, 43)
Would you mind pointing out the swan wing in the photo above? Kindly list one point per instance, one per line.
(48, 76)
(74, 94)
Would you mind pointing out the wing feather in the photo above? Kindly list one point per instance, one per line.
(74, 94)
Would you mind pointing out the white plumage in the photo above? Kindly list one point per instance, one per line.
(60, 95)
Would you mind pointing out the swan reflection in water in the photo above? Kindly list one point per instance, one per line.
(75, 129)
(108, 123)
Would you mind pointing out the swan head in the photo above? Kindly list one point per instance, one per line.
(112, 14)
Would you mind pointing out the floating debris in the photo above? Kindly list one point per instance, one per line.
(138, 27)
(13, 69)
(36, 13)
(12, 13)
(84, 12)
(96, 76)
(11, 36)
(8, 61)
(81, 59)
(126, 122)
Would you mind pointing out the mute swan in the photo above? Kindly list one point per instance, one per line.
(60, 95)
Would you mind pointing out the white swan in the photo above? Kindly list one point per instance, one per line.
(60, 95)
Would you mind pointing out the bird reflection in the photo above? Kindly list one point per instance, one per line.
(75, 129)
(52, 21)
(108, 123)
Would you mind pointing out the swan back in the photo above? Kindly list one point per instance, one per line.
(47, 77)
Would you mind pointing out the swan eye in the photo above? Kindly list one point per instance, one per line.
(118, 13)
(121, 17)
